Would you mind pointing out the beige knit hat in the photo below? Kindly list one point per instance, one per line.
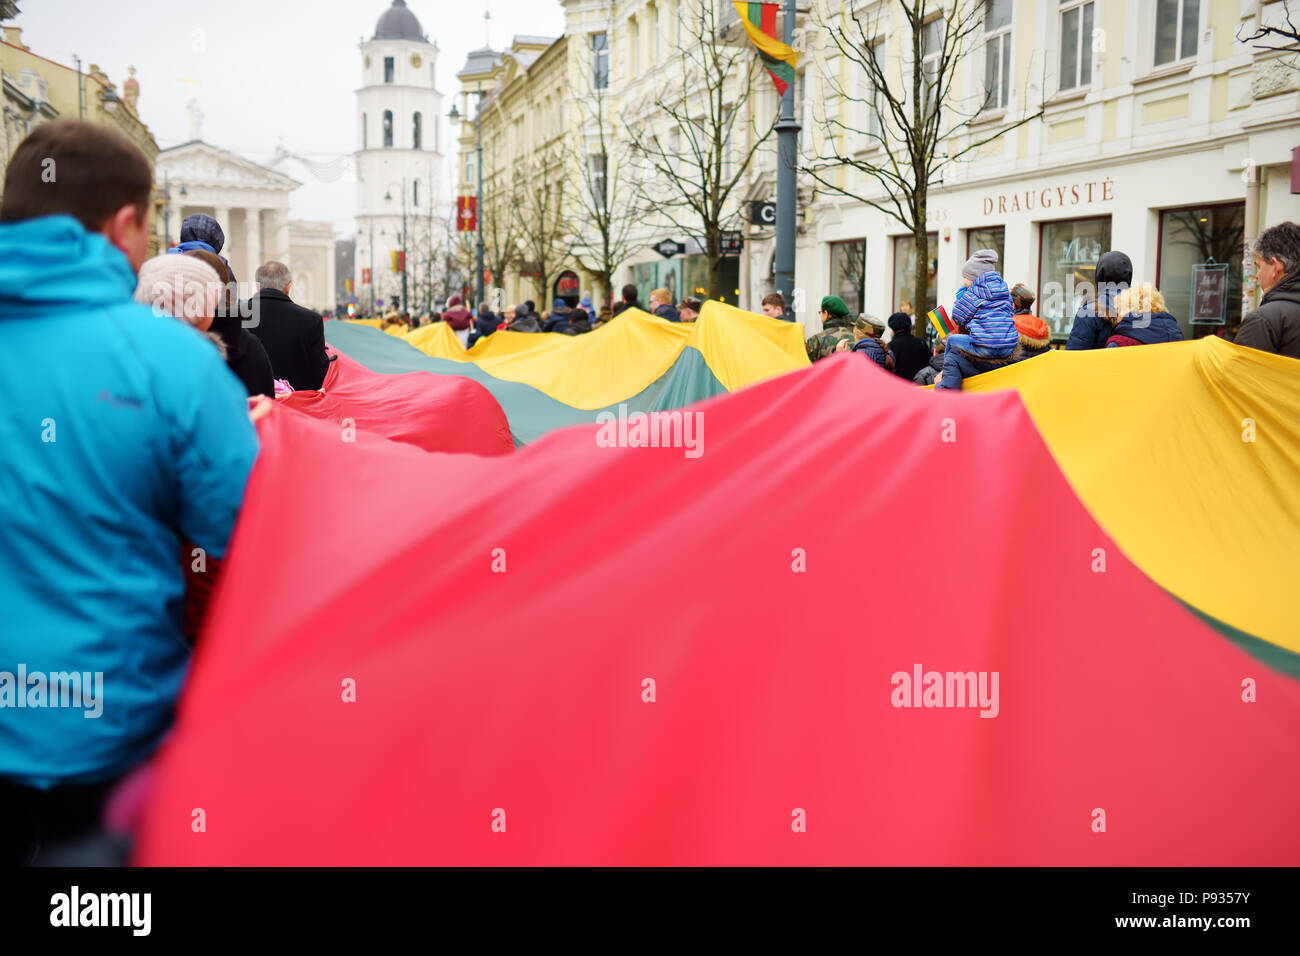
(184, 287)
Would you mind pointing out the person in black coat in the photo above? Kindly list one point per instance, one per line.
(294, 337)
(245, 355)
(910, 353)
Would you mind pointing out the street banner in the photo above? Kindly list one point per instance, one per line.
(467, 214)
(365, 277)
(760, 23)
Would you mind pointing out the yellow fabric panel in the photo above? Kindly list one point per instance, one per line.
(746, 347)
(600, 368)
(373, 323)
(439, 341)
(509, 343)
(397, 331)
(1152, 438)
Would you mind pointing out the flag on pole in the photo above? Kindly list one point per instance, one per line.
(942, 323)
(399, 260)
(760, 23)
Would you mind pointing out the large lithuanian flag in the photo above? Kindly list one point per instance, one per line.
(760, 24)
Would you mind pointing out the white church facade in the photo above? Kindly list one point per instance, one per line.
(399, 158)
(251, 204)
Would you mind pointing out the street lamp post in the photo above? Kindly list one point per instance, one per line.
(787, 158)
(478, 202)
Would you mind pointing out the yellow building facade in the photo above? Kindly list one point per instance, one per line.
(38, 90)
(1145, 127)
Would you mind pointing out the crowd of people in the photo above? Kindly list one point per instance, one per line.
(996, 325)
(129, 438)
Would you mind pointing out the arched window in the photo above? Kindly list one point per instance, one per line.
(388, 128)
(415, 131)
(415, 189)
(363, 130)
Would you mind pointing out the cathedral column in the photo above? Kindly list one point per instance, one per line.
(222, 215)
(252, 242)
(280, 222)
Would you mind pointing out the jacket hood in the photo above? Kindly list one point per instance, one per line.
(1115, 267)
(52, 264)
(1288, 290)
(1162, 327)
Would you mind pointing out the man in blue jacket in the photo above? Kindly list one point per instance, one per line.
(123, 435)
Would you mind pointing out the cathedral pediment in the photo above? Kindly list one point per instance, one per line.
(202, 164)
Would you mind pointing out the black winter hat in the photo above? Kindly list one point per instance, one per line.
(1114, 267)
(900, 322)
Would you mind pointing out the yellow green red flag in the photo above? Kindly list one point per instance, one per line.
(760, 23)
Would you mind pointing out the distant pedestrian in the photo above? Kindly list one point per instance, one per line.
(294, 337)
(661, 304)
(689, 309)
(983, 308)
(579, 323)
(930, 372)
(1035, 336)
(1143, 318)
(458, 319)
(1275, 325)
(558, 320)
(1095, 319)
(909, 352)
(244, 353)
(774, 305)
(629, 299)
(837, 327)
(524, 320)
(867, 331)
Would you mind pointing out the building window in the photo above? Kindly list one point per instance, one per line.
(363, 131)
(997, 53)
(634, 32)
(469, 167)
(415, 193)
(388, 69)
(1076, 44)
(1176, 29)
(1067, 268)
(905, 270)
(849, 273)
(388, 128)
(415, 131)
(596, 174)
(1199, 269)
(600, 61)
(875, 101)
(654, 34)
(992, 237)
(932, 37)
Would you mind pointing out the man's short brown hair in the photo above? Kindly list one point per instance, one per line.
(78, 169)
(776, 299)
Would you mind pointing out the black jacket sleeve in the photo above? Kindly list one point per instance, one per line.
(316, 358)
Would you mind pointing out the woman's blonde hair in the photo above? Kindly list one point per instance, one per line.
(1144, 299)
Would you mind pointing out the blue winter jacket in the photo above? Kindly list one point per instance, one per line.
(1148, 329)
(122, 434)
(985, 310)
(872, 349)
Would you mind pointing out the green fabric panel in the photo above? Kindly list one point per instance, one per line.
(1279, 658)
(530, 412)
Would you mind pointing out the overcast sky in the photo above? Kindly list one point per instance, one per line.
(267, 70)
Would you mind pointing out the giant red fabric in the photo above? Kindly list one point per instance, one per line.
(481, 691)
(433, 412)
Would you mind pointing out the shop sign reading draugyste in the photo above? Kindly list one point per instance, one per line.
(1051, 197)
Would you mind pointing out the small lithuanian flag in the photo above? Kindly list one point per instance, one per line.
(942, 324)
(760, 24)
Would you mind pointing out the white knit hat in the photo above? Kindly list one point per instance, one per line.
(184, 287)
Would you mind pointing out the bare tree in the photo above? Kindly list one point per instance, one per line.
(693, 177)
(544, 235)
(500, 221)
(917, 130)
(608, 211)
(1287, 34)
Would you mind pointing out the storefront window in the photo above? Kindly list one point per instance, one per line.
(995, 238)
(904, 270)
(1200, 267)
(1067, 268)
(848, 273)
